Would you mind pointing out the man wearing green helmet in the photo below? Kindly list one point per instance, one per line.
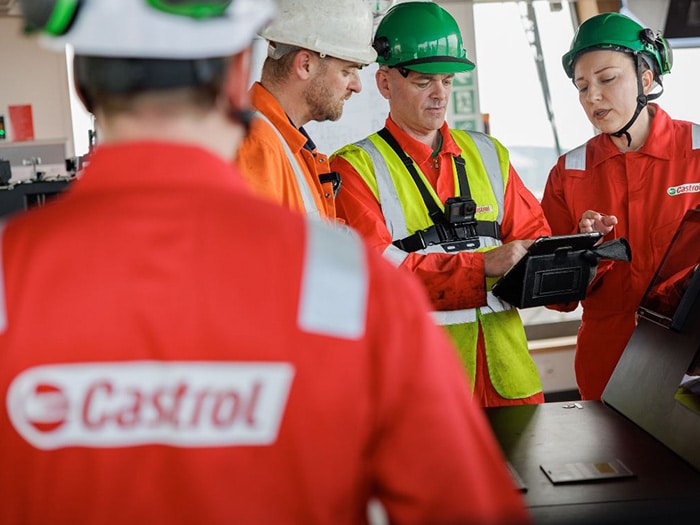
(635, 179)
(444, 204)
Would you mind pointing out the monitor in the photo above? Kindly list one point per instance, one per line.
(676, 283)
(656, 381)
(688, 393)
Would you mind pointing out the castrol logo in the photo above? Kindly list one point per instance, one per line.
(185, 404)
(693, 187)
(46, 407)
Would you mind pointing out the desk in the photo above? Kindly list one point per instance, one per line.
(665, 490)
(26, 195)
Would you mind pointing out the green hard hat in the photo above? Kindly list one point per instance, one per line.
(618, 32)
(423, 37)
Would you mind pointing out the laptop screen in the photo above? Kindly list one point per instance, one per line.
(676, 283)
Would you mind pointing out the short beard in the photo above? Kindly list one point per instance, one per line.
(319, 99)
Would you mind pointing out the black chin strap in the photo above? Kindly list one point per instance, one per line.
(642, 101)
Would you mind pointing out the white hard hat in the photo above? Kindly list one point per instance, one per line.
(339, 28)
(136, 29)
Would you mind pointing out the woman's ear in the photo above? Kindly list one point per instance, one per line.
(647, 81)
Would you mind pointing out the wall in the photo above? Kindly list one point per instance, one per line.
(32, 75)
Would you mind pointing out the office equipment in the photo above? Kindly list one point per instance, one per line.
(648, 421)
(676, 283)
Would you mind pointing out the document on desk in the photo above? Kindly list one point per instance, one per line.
(586, 471)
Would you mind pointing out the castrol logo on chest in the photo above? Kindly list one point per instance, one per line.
(184, 404)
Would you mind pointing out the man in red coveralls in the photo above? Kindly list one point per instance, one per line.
(174, 350)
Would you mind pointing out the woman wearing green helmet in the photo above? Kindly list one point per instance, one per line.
(635, 179)
(651, 54)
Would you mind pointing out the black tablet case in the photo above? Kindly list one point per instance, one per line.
(556, 269)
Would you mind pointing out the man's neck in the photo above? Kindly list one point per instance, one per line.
(212, 131)
(291, 102)
(430, 138)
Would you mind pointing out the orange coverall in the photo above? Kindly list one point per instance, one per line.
(264, 164)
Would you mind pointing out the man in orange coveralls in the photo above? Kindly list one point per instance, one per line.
(634, 180)
(398, 195)
(314, 54)
(154, 371)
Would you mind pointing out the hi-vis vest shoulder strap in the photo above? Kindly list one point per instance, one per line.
(385, 162)
(334, 287)
(576, 158)
(306, 193)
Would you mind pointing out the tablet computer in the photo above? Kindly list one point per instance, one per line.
(575, 241)
(554, 270)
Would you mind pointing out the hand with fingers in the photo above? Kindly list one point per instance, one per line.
(593, 221)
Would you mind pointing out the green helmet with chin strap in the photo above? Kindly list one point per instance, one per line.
(422, 37)
(619, 33)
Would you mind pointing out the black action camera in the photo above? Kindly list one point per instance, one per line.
(460, 210)
(455, 229)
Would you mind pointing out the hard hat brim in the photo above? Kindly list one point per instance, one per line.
(439, 67)
(132, 28)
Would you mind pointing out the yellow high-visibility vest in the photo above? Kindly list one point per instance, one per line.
(511, 368)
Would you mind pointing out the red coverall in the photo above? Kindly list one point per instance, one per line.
(453, 281)
(648, 191)
(153, 313)
(264, 164)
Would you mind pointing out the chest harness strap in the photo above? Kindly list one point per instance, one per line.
(455, 228)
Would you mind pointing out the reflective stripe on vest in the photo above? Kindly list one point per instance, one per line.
(392, 209)
(388, 196)
(395, 255)
(395, 219)
(3, 307)
(696, 136)
(306, 194)
(468, 315)
(489, 156)
(334, 286)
